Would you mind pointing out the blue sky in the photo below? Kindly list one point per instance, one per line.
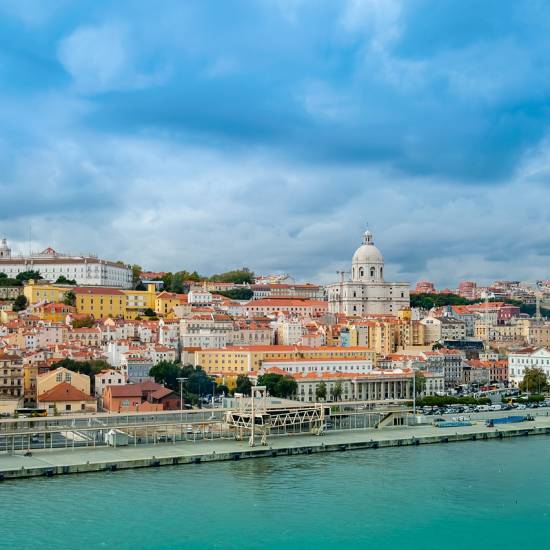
(208, 135)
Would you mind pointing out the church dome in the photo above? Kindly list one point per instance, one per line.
(368, 262)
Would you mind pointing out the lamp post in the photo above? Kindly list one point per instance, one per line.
(181, 381)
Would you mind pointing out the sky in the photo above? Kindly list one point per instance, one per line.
(211, 135)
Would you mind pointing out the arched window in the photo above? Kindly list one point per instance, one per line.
(361, 272)
(372, 271)
(381, 272)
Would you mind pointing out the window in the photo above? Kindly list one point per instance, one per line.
(372, 271)
(68, 407)
(59, 377)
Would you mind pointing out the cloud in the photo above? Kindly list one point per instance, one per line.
(103, 58)
(271, 141)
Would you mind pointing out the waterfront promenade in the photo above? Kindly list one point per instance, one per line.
(49, 462)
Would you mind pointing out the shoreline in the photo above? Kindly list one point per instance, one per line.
(49, 463)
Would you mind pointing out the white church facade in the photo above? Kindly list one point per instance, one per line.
(367, 292)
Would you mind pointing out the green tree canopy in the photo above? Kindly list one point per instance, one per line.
(428, 301)
(167, 373)
(336, 391)
(62, 280)
(243, 275)
(321, 391)
(237, 293)
(243, 384)
(69, 298)
(278, 385)
(534, 381)
(20, 303)
(27, 275)
(85, 322)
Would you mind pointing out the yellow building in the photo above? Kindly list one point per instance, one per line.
(55, 312)
(97, 302)
(45, 292)
(235, 360)
(165, 302)
(45, 382)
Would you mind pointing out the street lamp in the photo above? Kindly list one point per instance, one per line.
(181, 381)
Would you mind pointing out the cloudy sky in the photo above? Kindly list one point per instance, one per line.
(209, 135)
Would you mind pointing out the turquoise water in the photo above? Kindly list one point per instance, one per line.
(463, 495)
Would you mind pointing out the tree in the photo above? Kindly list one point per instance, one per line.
(321, 391)
(62, 280)
(69, 298)
(27, 275)
(3, 276)
(243, 275)
(148, 312)
(243, 384)
(336, 391)
(419, 382)
(85, 322)
(167, 373)
(237, 293)
(136, 275)
(428, 301)
(278, 385)
(534, 381)
(20, 303)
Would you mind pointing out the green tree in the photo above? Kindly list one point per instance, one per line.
(243, 275)
(278, 385)
(3, 275)
(148, 312)
(534, 381)
(167, 373)
(85, 322)
(69, 298)
(20, 303)
(286, 387)
(243, 384)
(428, 301)
(136, 275)
(321, 392)
(336, 391)
(419, 382)
(62, 280)
(27, 275)
(237, 293)
(269, 380)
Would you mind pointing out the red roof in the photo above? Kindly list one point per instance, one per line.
(64, 392)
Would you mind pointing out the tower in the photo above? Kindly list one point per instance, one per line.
(5, 250)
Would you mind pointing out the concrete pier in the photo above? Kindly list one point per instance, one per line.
(82, 460)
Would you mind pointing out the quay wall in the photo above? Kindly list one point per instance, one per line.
(48, 464)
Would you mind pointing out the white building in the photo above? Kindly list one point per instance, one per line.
(106, 378)
(199, 297)
(367, 292)
(526, 359)
(319, 366)
(85, 270)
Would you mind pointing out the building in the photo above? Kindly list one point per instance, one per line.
(367, 292)
(528, 358)
(289, 306)
(110, 377)
(235, 360)
(65, 398)
(11, 376)
(85, 270)
(320, 366)
(48, 380)
(424, 287)
(141, 397)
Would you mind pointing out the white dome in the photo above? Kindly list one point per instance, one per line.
(368, 262)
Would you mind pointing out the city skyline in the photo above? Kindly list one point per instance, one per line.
(273, 144)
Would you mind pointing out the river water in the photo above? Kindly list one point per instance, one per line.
(485, 494)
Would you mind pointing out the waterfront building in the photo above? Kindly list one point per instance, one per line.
(52, 378)
(11, 382)
(528, 358)
(85, 270)
(367, 291)
(108, 377)
(305, 366)
(65, 398)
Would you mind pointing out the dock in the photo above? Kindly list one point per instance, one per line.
(76, 460)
